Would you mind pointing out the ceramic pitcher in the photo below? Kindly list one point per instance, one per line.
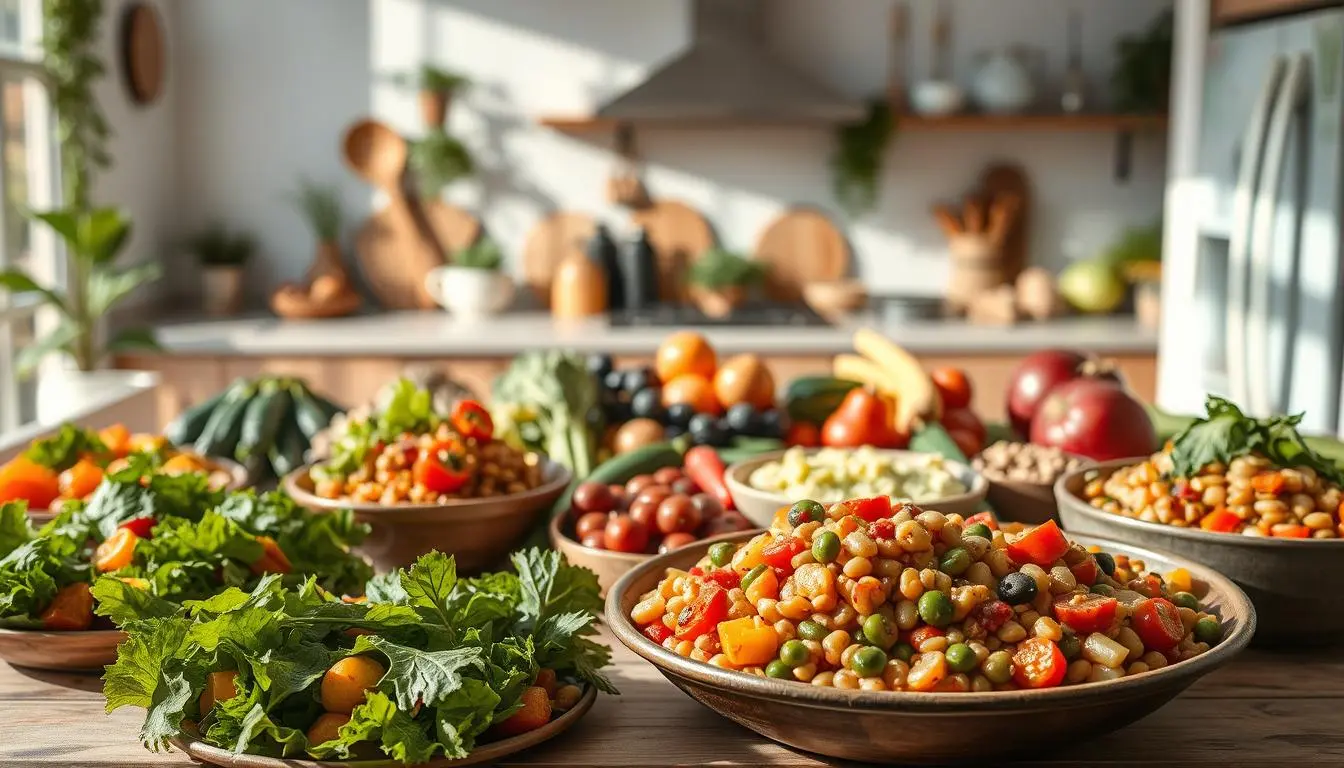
(1004, 81)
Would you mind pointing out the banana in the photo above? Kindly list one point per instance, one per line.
(916, 398)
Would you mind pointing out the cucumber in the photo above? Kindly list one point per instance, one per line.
(262, 419)
(813, 398)
(190, 423)
(287, 453)
(220, 434)
(309, 412)
(743, 448)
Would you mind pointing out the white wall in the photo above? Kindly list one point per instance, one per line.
(260, 103)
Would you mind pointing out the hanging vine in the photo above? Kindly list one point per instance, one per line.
(857, 163)
(69, 56)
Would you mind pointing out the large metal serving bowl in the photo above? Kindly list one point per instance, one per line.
(889, 726)
(477, 532)
(1294, 583)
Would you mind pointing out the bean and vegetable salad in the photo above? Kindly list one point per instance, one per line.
(1231, 474)
(880, 596)
(408, 453)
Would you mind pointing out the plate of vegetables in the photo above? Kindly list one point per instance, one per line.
(164, 539)
(916, 627)
(1249, 497)
(431, 669)
(425, 480)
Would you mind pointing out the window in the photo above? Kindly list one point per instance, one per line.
(27, 179)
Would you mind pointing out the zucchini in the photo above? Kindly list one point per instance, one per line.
(311, 416)
(190, 423)
(287, 452)
(220, 434)
(262, 419)
(813, 398)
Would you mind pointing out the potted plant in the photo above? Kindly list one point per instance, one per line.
(719, 281)
(437, 88)
(438, 160)
(321, 206)
(472, 286)
(223, 257)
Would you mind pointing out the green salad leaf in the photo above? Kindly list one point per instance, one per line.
(1226, 433)
(63, 450)
(408, 409)
(138, 491)
(15, 528)
(32, 573)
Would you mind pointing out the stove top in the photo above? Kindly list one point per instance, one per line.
(664, 315)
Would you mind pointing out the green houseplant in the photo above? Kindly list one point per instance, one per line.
(320, 205)
(223, 257)
(856, 165)
(719, 280)
(437, 87)
(438, 160)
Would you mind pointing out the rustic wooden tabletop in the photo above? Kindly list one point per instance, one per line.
(1262, 710)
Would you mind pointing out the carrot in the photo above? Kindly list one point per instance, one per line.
(1268, 482)
(71, 610)
(1290, 532)
(1220, 520)
(80, 480)
(273, 559)
(705, 469)
(536, 712)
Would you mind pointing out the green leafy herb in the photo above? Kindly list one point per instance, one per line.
(719, 268)
(64, 449)
(554, 392)
(1226, 433)
(409, 409)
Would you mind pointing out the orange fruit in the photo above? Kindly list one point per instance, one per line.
(745, 379)
(685, 352)
(693, 389)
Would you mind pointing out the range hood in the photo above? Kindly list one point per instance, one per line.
(730, 74)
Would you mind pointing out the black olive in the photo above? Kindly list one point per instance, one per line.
(679, 414)
(599, 365)
(772, 423)
(1017, 589)
(648, 404)
(613, 381)
(706, 430)
(741, 419)
(1105, 563)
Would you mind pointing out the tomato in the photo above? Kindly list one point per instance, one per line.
(954, 387)
(779, 554)
(442, 469)
(1220, 520)
(1039, 663)
(1042, 545)
(986, 519)
(725, 577)
(882, 529)
(803, 434)
(625, 534)
(80, 480)
(140, 526)
(116, 551)
(1158, 624)
(967, 441)
(965, 419)
(1086, 613)
(919, 634)
(869, 510)
(657, 631)
(472, 421)
(1086, 572)
(991, 615)
(704, 614)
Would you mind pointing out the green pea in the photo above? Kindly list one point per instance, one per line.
(935, 608)
(825, 547)
(878, 630)
(1208, 630)
(811, 630)
(1105, 562)
(1105, 590)
(903, 651)
(955, 561)
(806, 511)
(1185, 600)
(868, 661)
(1070, 646)
(721, 554)
(794, 653)
(960, 657)
(998, 667)
(752, 575)
(979, 529)
(779, 670)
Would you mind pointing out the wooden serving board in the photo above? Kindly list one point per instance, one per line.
(452, 227)
(679, 235)
(800, 247)
(1009, 179)
(395, 255)
(551, 240)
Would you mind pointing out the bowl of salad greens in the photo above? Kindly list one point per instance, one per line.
(431, 668)
(153, 537)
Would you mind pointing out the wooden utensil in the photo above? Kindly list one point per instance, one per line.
(143, 60)
(551, 240)
(800, 247)
(625, 187)
(1007, 179)
(679, 235)
(453, 227)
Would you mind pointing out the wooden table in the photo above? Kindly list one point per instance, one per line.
(1262, 710)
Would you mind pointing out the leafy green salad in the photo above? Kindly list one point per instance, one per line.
(431, 664)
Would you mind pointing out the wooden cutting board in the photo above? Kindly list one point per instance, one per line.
(1008, 179)
(394, 256)
(799, 247)
(551, 240)
(452, 227)
(679, 235)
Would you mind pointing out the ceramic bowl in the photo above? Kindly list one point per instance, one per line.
(477, 532)
(760, 506)
(935, 98)
(467, 293)
(88, 651)
(831, 298)
(888, 727)
(485, 753)
(1023, 502)
(1294, 583)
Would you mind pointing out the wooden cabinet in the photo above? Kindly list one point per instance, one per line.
(1231, 11)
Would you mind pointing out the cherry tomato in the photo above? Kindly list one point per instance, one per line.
(869, 510)
(472, 421)
(591, 522)
(780, 554)
(1039, 663)
(986, 519)
(140, 526)
(442, 469)
(675, 541)
(625, 534)
(667, 476)
(1158, 624)
(677, 515)
(803, 434)
(117, 551)
(657, 631)
(595, 540)
(1086, 613)
(1042, 545)
(954, 387)
(704, 614)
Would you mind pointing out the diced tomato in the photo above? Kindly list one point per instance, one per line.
(1148, 585)
(724, 577)
(780, 554)
(1290, 532)
(1268, 482)
(1086, 613)
(472, 421)
(140, 526)
(704, 614)
(919, 634)
(1042, 545)
(657, 632)
(882, 529)
(1158, 624)
(1184, 492)
(986, 519)
(71, 610)
(1086, 572)
(1039, 663)
(1220, 520)
(870, 509)
(696, 571)
(991, 614)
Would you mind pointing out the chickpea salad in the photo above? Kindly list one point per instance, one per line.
(1228, 473)
(867, 594)
(835, 474)
(429, 664)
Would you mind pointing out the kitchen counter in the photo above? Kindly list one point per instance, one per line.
(435, 334)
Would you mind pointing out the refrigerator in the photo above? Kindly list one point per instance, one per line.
(1253, 294)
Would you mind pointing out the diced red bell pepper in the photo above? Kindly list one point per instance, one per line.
(703, 614)
(724, 577)
(780, 554)
(1039, 663)
(1184, 492)
(1086, 614)
(882, 529)
(870, 509)
(1085, 572)
(140, 526)
(470, 419)
(1158, 624)
(1220, 520)
(1042, 545)
(986, 519)
(696, 571)
(657, 632)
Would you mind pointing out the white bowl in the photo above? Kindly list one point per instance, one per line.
(469, 293)
(937, 97)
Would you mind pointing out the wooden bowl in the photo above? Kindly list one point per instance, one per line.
(301, 306)
(477, 532)
(485, 753)
(1294, 583)
(760, 506)
(908, 726)
(60, 651)
(835, 297)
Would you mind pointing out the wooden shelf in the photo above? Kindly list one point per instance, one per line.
(969, 121)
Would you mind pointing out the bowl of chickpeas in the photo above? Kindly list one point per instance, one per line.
(1273, 530)
(882, 632)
